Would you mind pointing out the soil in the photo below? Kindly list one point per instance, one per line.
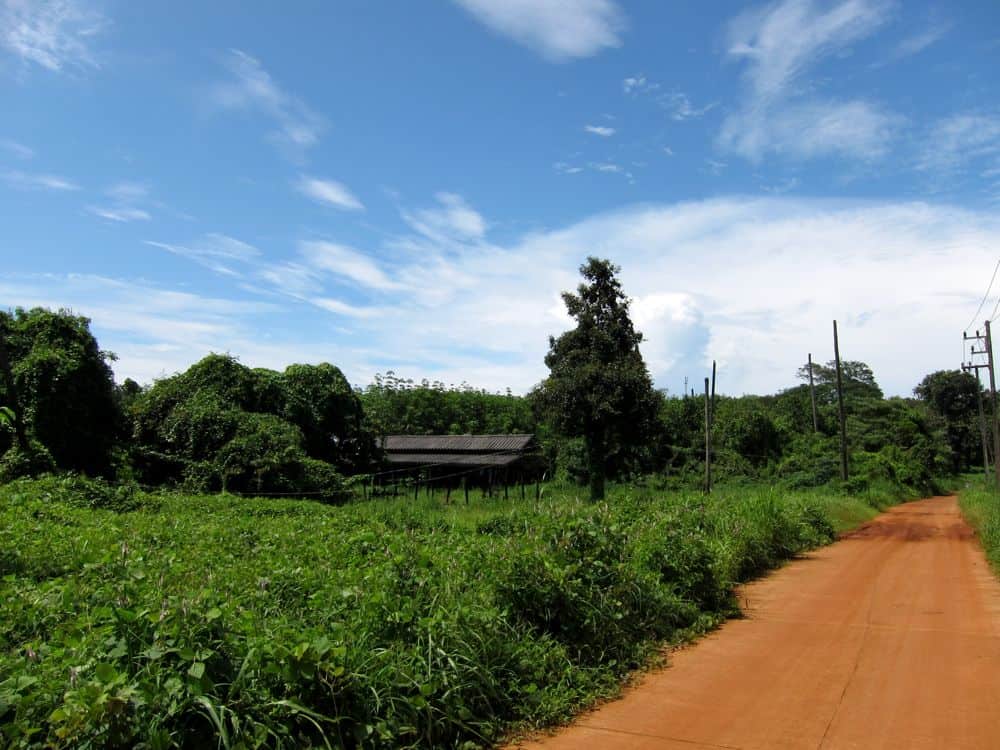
(889, 638)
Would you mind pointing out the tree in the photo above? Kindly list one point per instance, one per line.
(953, 395)
(64, 387)
(858, 378)
(598, 387)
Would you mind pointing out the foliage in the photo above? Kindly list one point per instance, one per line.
(394, 405)
(65, 387)
(980, 503)
(221, 425)
(129, 619)
(598, 386)
(954, 396)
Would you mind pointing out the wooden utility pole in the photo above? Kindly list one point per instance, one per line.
(982, 425)
(11, 387)
(840, 406)
(993, 400)
(812, 394)
(708, 441)
(968, 367)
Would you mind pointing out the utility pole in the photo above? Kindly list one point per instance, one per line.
(812, 394)
(708, 441)
(685, 391)
(840, 406)
(987, 340)
(982, 423)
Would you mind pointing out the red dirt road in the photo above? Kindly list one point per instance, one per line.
(889, 638)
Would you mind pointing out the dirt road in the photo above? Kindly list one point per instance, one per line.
(889, 638)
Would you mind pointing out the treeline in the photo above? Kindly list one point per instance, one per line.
(223, 426)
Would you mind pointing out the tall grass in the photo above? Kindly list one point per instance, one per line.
(980, 502)
(185, 621)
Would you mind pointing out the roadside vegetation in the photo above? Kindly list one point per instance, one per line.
(169, 620)
(980, 503)
(199, 562)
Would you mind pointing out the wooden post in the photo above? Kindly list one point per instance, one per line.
(993, 400)
(416, 487)
(447, 494)
(465, 488)
(538, 489)
(840, 406)
(11, 387)
(812, 394)
(708, 441)
(982, 425)
(520, 480)
(505, 483)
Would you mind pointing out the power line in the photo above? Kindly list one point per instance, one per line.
(985, 297)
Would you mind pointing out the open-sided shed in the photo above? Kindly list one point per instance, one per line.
(452, 459)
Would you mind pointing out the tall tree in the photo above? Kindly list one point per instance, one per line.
(598, 387)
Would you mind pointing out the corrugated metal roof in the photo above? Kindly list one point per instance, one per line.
(477, 444)
(453, 459)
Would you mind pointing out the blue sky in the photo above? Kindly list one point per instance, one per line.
(409, 186)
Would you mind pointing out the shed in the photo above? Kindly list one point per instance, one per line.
(460, 451)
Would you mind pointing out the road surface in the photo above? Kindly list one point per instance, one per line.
(889, 638)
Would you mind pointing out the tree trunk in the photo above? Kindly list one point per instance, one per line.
(595, 465)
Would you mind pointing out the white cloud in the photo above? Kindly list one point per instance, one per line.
(637, 84)
(330, 192)
(16, 149)
(35, 181)
(558, 30)
(121, 214)
(128, 192)
(680, 108)
(453, 219)
(779, 43)
(917, 43)
(215, 251)
(54, 34)
(781, 40)
(775, 272)
(329, 257)
(811, 129)
(962, 141)
(252, 88)
(600, 130)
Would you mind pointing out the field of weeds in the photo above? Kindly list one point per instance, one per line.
(165, 620)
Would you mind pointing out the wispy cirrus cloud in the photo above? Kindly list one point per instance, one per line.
(54, 34)
(777, 45)
(452, 218)
(38, 181)
(329, 192)
(347, 263)
(558, 30)
(128, 199)
(121, 214)
(960, 147)
(18, 150)
(601, 130)
(251, 88)
(217, 252)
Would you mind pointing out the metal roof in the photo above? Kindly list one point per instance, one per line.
(453, 459)
(467, 444)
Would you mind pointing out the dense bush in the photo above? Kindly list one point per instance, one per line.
(221, 425)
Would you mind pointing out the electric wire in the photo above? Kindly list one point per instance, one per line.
(985, 297)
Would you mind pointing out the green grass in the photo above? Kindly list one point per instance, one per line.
(980, 503)
(176, 621)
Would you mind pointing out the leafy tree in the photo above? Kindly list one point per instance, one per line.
(953, 395)
(598, 387)
(64, 385)
(857, 377)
